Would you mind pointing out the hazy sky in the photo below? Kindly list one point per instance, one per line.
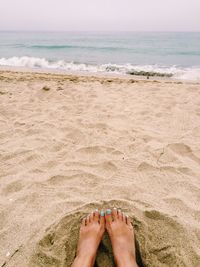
(123, 15)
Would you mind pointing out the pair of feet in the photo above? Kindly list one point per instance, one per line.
(121, 234)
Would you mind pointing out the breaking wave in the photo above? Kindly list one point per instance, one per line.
(140, 70)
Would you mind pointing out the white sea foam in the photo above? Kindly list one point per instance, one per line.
(33, 62)
(188, 74)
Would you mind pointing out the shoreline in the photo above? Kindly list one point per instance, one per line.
(102, 75)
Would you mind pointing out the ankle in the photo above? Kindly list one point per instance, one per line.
(84, 259)
(125, 259)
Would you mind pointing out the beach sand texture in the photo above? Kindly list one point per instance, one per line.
(71, 144)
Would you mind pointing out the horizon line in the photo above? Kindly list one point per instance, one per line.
(45, 30)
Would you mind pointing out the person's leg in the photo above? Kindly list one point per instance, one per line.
(122, 238)
(91, 233)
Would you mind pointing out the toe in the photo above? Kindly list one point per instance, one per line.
(91, 216)
(96, 215)
(120, 216)
(114, 214)
(88, 219)
(83, 222)
(102, 218)
(108, 216)
(123, 217)
(128, 220)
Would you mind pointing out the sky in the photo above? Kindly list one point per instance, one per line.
(100, 15)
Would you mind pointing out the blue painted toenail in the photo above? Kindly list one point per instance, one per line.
(102, 213)
(108, 211)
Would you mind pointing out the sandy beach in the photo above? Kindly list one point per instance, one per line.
(70, 144)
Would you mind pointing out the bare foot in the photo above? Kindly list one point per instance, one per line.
(91, 233)
(122, 238)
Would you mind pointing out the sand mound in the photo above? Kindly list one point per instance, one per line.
(58, 245)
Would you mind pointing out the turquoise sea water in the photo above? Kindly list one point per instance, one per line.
(169, 53)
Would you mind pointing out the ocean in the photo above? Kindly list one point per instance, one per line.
(170, 54)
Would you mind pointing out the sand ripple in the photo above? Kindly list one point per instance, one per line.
(92, 142)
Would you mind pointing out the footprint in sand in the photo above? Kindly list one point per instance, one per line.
(184, 151)
(97, 150)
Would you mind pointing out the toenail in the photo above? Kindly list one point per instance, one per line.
(102, 213)
(108, 211)
(115, 208)
(96, 210)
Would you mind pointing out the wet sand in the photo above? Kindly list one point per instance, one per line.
(70, 144)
